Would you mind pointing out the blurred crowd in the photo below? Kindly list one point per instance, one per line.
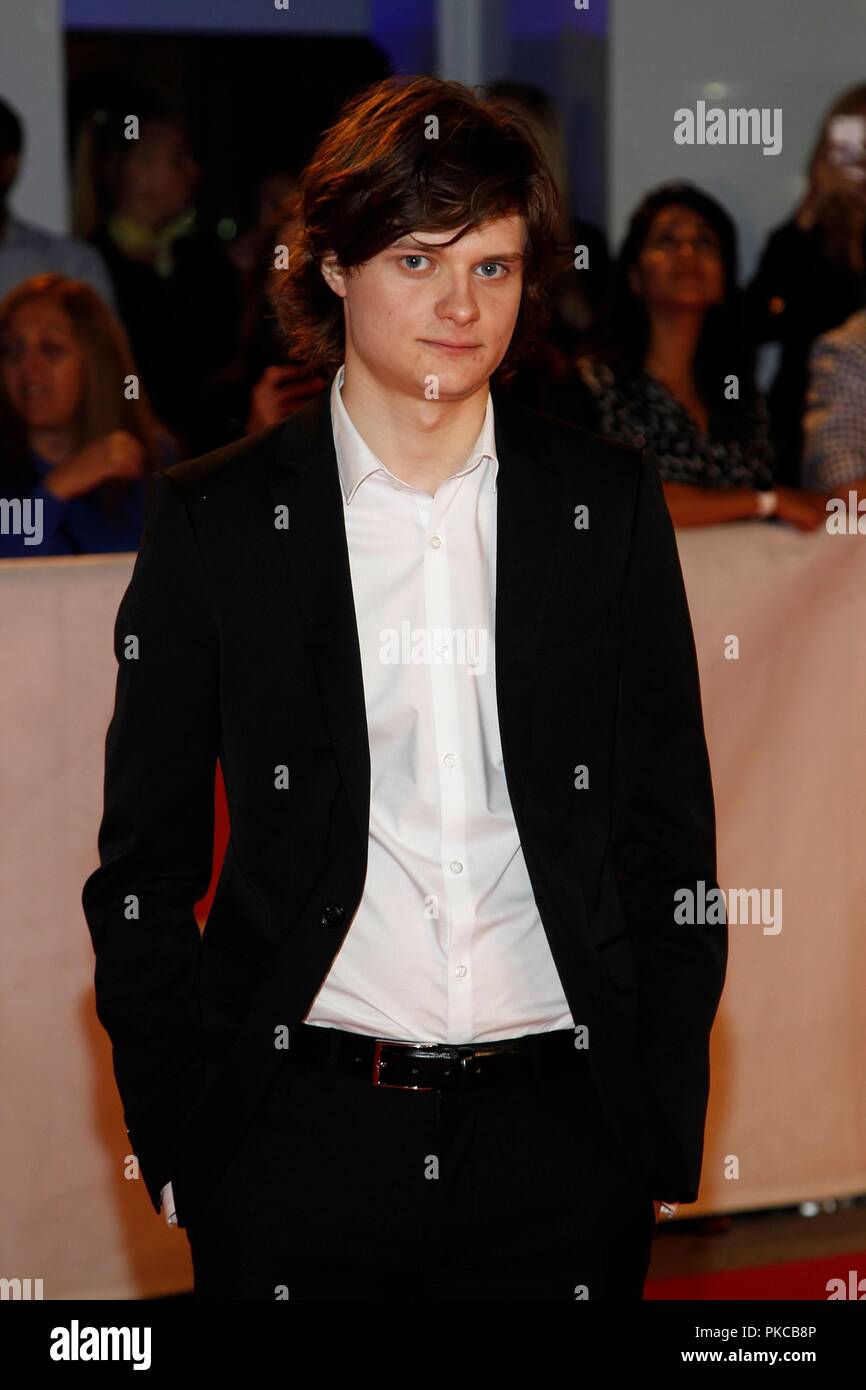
(144, 339)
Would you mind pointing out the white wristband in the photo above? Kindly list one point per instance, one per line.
(767, 503)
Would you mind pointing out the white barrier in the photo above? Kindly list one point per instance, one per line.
(785, 728)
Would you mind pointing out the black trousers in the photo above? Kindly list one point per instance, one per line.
(345, 1190)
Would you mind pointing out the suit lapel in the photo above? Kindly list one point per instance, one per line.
(304, 478)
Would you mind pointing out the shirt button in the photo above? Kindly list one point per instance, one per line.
(455, 866)
(450, 760)
(435, 541)
(442, 648)
(461, 972)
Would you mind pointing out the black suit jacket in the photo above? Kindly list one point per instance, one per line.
(246, 649)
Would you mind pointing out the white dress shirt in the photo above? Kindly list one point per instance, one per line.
(447, 944)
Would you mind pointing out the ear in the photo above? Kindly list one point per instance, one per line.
(333, 274)
(9, 165)
(634, 281)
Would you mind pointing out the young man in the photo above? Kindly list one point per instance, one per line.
(443, 1035)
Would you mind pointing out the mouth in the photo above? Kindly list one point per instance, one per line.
(454, 348)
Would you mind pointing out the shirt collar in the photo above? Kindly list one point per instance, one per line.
(356, 460)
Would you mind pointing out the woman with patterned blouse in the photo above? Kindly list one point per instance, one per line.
(677, 376)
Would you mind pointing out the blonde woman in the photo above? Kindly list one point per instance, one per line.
(76, 442)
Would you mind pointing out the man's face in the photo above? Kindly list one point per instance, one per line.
(420, 313)
(163, 172)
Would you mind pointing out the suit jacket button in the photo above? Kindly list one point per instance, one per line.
(332, 915)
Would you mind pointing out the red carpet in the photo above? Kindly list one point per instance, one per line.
(801, 1279)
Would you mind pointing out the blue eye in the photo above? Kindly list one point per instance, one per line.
(500, 270)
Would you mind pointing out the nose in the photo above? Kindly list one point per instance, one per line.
(458, 302)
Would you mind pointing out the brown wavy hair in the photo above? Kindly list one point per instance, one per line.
(376, 176)
(107, 362)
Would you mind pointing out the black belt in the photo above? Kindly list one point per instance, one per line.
(423, 1066)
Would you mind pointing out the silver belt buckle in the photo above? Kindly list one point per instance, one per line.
(377, 1066)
